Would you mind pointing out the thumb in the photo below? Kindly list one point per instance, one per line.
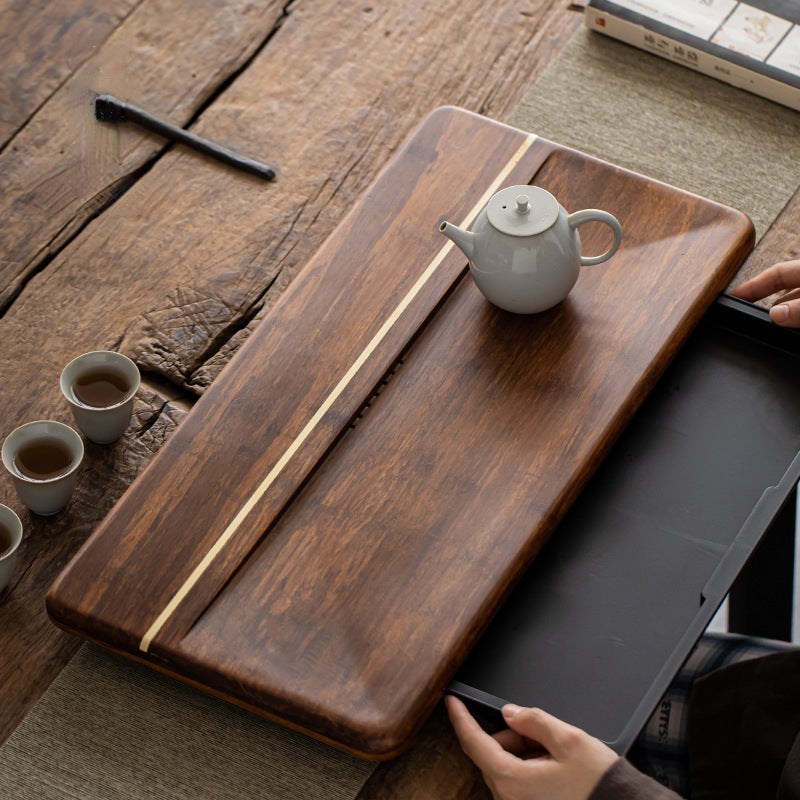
(550, 732)
(786, 314)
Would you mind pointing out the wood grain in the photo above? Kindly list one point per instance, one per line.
(63, 166)
(34, 62)
(434, 767)
(781, 243)
(341, 598)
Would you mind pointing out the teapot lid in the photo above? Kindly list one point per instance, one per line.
(522, 210)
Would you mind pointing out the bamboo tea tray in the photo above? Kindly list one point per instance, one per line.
(334, 525)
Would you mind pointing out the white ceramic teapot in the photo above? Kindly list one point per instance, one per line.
(524, 250)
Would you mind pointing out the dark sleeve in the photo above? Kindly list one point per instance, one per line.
(743, 723)
(622, 781)
(789, 786)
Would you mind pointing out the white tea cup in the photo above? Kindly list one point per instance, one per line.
(42, 458)
(100, 387)
(10, 539)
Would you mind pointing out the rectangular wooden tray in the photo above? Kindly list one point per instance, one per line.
(334, 525)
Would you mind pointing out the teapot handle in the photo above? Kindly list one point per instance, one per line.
(595, 215)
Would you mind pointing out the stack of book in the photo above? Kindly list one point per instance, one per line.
(755, 45)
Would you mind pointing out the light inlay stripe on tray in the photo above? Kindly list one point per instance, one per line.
(233, 526)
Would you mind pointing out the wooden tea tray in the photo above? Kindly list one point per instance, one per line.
(336, 522)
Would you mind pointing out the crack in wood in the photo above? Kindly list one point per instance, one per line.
(71, 229)
(107, 196)
(224, 84)
(176, 338)
(75, 66)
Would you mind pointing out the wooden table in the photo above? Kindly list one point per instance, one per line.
(89, 259)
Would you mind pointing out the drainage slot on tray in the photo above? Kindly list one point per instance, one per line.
(384, 382)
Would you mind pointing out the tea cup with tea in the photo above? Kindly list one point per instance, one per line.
(42, 458)
(100, 387)
(10, 539)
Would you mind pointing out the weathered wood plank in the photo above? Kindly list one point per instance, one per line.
(58, 172)
(63, 167)
(780, 243)
(434, 767)
(41, 46)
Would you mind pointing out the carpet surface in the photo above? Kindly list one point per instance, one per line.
(111, 728)
(641, 112)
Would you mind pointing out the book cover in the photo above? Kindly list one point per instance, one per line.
(754, 46)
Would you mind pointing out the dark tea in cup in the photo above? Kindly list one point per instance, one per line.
(43, 459)
(101, 388)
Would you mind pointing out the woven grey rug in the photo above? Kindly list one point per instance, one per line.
(109, 728)
(638, 111)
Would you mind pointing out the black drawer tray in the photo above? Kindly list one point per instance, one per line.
(615, 601)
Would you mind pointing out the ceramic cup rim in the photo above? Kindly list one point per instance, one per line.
(92, 359)
(12, 521)
(63, 432)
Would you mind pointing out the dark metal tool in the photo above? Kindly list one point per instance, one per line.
(110, 109)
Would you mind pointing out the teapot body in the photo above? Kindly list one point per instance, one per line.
(524, 249)
(525, 274)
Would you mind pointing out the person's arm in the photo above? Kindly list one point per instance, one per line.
(539, 757)
(622, 781)
(778, 278)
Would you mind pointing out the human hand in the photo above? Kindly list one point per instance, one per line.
(786, 275)
(538, 757)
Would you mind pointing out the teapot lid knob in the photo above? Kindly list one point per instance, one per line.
(522, 210)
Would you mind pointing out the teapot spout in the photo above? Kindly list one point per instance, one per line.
(463, 239)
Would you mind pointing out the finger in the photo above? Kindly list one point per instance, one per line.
(520, 746)
(786, 314)
(511, 742)
(793, 295)
(554, 735)
(785, 275)
(482, 748)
